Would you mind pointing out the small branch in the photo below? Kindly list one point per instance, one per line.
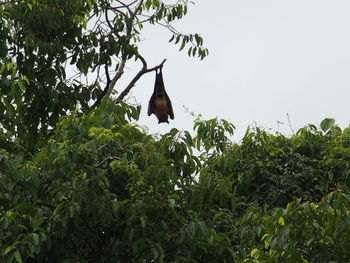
(139, 7)
(144, 62)
(110, 85)
(115, 79)
(107, 19)
(290, 125)
(109, 158)
(107, 74)
(138, 76)
(126, 5)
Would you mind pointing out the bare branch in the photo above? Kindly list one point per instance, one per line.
(138, 76)
(110, 85)
(107, 19)
(107, 73)
(123, 5)
(129, 7)
(109, 158)
(137, 9)
(115, 79)
(290, 125)
(126, 6)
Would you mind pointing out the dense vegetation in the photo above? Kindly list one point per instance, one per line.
(102, 190)
(81, 181)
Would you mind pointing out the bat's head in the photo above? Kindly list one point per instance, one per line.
(163, 117)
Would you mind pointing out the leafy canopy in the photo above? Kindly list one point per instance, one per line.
(80, 181)
(102, 190)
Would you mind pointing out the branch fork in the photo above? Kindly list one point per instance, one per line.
(138, 76)
(111, 83)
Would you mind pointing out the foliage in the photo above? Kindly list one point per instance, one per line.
(274, 170)
(305, 232)
(56, 56)
(81, 183)
(102, 190)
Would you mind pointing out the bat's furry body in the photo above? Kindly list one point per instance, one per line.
(160, 104)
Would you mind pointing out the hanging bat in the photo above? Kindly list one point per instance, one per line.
(160, 104)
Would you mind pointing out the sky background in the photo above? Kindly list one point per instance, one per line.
(267, 59)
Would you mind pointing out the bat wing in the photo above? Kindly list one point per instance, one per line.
(170, 107)
(151, 104)
(160, 85)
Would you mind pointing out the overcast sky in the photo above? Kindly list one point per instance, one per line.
(267, 58)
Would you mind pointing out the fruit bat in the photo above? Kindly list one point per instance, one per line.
(159, 103)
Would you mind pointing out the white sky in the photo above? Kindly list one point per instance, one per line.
(267, 58)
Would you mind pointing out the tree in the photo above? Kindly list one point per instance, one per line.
(80, 181)
(58, 56)
(101, 190)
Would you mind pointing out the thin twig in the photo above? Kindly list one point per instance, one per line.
(137, 9)
(115, 79)
(109, 87)
(109, 158)
(290, 125)
(126, 5)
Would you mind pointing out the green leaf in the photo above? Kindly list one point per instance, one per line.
(327, 123)
(218, 215)
(266, 244)
(182, 44)
(18, 257)
(89, 4)
(189, 51)
(171, 203)
(22, 226)
(125, 201)
(194, 51)
(60, 207)
(177, 39)
(198, 39)
(175, 196)
(10, 248)
(264, 237)
(35, 237)
(254, 252)
(281, 221)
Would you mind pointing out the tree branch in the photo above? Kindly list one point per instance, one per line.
(115, 79)
(110, 85)
(138, 76)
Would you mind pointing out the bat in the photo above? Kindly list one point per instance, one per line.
(159, 103)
